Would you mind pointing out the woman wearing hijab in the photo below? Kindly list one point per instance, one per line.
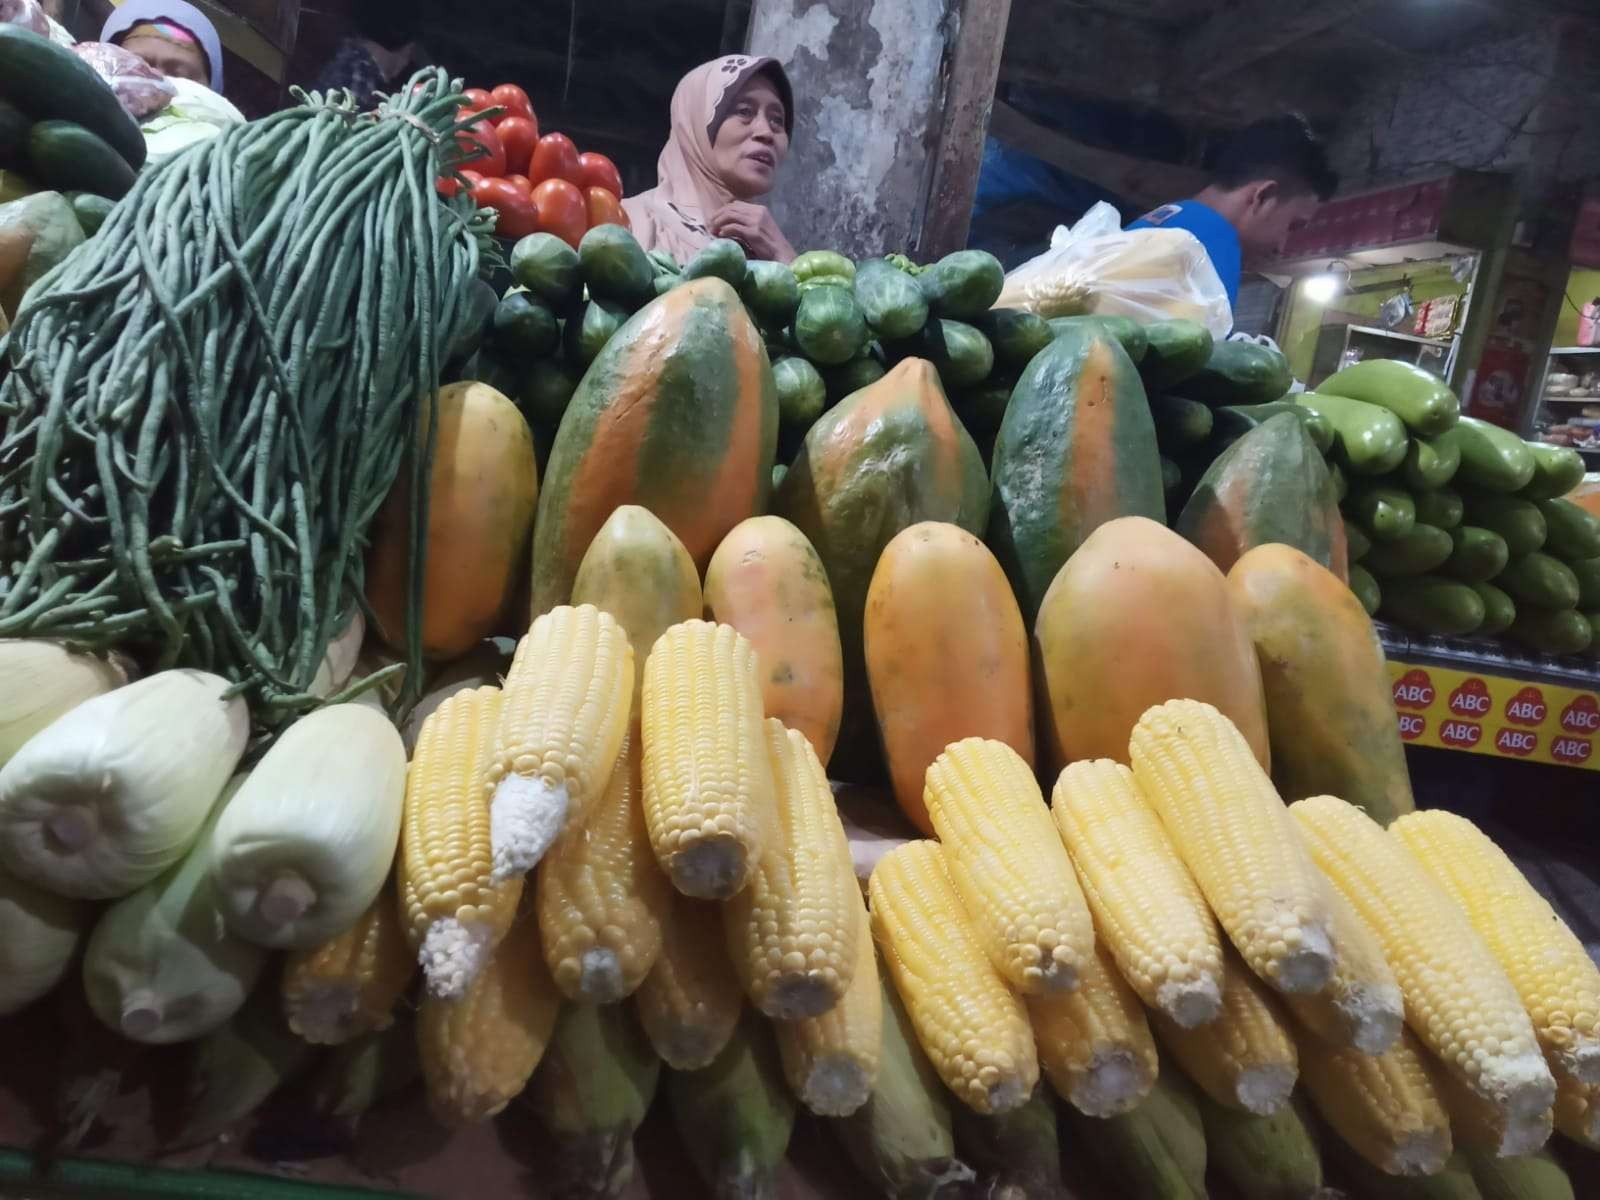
(173, 37)
(731, 121)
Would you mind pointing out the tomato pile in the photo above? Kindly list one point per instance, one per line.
(536, 184)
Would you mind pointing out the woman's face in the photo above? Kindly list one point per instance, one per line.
(169, 58)
(752, 141)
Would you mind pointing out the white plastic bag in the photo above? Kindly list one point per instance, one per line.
(1099, 267)
(142, 90)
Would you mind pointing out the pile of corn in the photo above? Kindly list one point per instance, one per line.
(1189, 963)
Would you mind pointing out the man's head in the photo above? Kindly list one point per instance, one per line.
(1267, 179)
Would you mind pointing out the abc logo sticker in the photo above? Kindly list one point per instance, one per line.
(1517, 742)
(1414, 689)
(1412, 726)
(1527, 707)
(1571, 750)
(1471, 699)
(1582, 716)
(1462, 734)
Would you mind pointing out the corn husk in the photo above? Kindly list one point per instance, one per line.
(38, 933)
(44, 680)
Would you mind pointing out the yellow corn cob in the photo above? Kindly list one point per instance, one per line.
(1384, 1106)
(568, 698)
(1009, 866)
(1148, 910)
(1547, 964)
(1094, 1042)
(350, 984)
(1476, 1124)
(1246, 1057)
(707, 783)
(454, 912)
(689, 1004)
(479, 1052)
(1230, 828)
(974, 1031)
(601, 895)
(831, 1061)
(1362, 1005)
(792, 932)
(1457, 998)
(1577, 1111)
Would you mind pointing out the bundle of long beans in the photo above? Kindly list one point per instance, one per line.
(203, 407)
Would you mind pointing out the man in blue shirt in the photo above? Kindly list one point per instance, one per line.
(1266, 180)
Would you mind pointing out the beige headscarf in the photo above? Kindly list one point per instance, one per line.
(672, 216)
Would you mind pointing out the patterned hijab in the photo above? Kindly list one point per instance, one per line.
(672, 216)
(186, 17)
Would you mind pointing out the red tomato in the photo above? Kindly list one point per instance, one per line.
(470, 176)
(599, 171)
(518, 217)
(446, 186)
(562, 209)
(523, 184)
(519, 136)
(604, 208)
(476, 98)
(555, 157)
(493, 162)
(514, 100)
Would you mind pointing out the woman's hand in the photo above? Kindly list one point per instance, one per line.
(752, 226)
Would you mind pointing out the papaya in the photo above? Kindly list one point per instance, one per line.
(678, 413)
(946, 654)
(637, 570)
(1269, 486)
(482, 490)
(1330, 707)
(1137, 617)
(1077, 448)
(766, 580)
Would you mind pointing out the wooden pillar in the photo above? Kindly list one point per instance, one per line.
(891, 102)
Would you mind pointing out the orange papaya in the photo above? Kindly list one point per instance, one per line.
(946, 653)
(1138, 616)
(768, 583)
(1330, 707)
(482, 492)
(678, 413)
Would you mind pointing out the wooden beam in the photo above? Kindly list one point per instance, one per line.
(1139, 180)
(1249, 31)
(976, 37)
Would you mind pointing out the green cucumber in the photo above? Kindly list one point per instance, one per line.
(545, 390)
(1357, 543)
(1441, 508)
(1499, 609)
(822, 262)
(720, 258)
(1431, 462)
(1476, 554)
(1341, 482)
(1556, 471)
(615, 267)
(1518, 521)
(526, 327)
(1365, 588)
(801, 393)
(1535, 1176)
(50, 82)
(1419, 398)
(590, 328)
(1240, 373)
(1180, 423)
(14, 126)
(65, 156)
(1492, 457)
(547, 267)
(963, 285)
(1429, 604)
(829, 326)
(1236, 420)
(771, 292)
(1587, 571)
(962, 355)
(92, 211)
(1384, 512)
(1016, 335)
(1367, 439)
(1540, 580)
(1421, 549)
(848, 282)
(890, 299)
(852, 376)
(1128, 332)
(664, 263)
(1175, 350)
(1551, 631)
(1572, 532)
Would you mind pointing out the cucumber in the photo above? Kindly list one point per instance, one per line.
(801, 393)
(91, 211)
(1367, 439)
(615, 267)
(1174, 351)
(590, 328)
(1156, 1150)
(1442, 508)
(1420, 550)
(1429, 604)
(1551, 631)
(1587, 571)
(822, 262)
(664, 283)
(829, 326)
(1431, 462)
(525, 326)
(14, 126)
(848, 282)
(1124, 330)
(1476, 555)
(1341, 483)
(1518, 521)
(852, 376)
(664, 263)
(50, 82)
(1572, 532)
(1015, 334)
(1420, 399)
(1386, 513)
(67, 157)
(1556, 471)
(1262, 1156)
(1235, 420)
(963, 285)
(1535, 1176)
(890, 299)
(1365, 588)
(1492, 457)
(959, 351)
(1179, 422)
(547, 267)
(771, 292)
(1357, 543)
(1540, 580)
(1240, 373)
(1499, 609)
(545, 390)
(720, 258)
